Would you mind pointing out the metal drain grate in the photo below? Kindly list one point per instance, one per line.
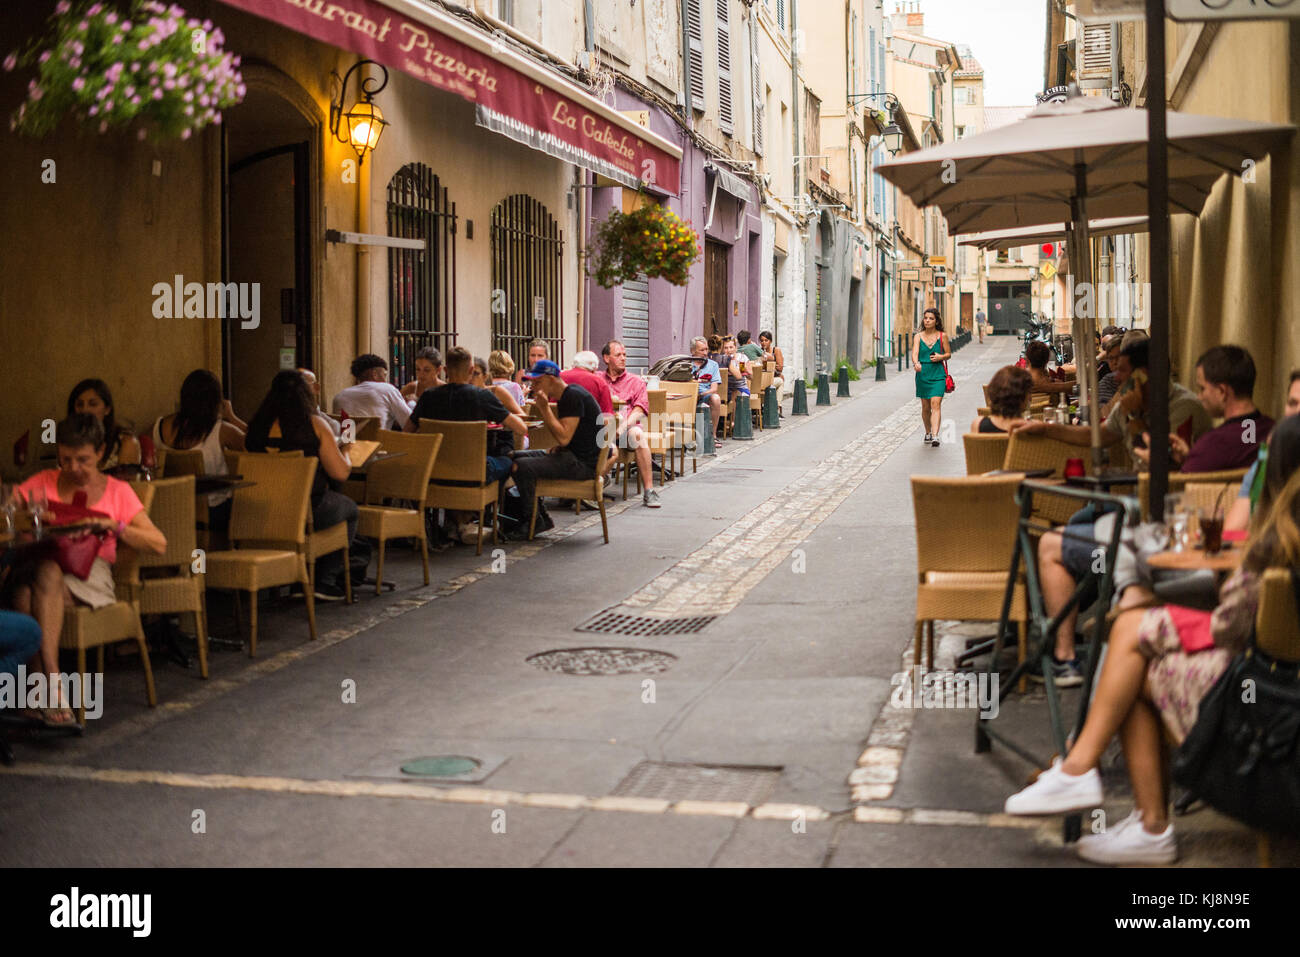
(613, 622)
(699, 782)
(603, 661)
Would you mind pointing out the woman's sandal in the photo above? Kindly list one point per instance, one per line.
(50, 718)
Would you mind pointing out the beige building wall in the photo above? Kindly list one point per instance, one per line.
(1235, 269)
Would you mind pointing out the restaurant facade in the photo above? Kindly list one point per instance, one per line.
(485, 193)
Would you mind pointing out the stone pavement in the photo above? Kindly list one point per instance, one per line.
(766, 737)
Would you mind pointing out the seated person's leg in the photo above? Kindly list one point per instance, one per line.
(20, 640)
(1062, 561)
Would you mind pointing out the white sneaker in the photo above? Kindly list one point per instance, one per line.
(928, 439)
(1130, 843)
(650, 498)
(1056, 792)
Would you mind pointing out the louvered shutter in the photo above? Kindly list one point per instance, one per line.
(695, 55)
(1095, 62)
(725, 120)
(780, 14)
(759, 106)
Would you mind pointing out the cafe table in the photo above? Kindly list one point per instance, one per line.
(1227, 559)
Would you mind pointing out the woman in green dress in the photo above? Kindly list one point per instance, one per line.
(929, 352)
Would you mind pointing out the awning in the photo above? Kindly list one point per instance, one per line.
(514, 96)
(1052, 233)
(729, 182)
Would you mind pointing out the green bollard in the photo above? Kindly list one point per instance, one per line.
(843, 391)
(880, 370)
(771, 408)
(742, 426)
(704, 437)
(799, 405)
(823, 389)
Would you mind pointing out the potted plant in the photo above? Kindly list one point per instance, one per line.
(651, 241)
(159, 70)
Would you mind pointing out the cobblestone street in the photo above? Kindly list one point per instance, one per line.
(765, 737)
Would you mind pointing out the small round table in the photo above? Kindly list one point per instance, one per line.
(1191, 559)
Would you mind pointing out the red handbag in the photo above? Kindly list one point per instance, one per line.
(948, 384)
(75, 553)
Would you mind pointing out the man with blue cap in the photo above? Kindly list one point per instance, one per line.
(575, 424)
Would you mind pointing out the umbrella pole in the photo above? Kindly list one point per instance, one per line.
(1085, 354)
(1158, 218)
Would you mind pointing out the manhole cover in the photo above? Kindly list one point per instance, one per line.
(603, 661)
(442, 766)
(699, 782)
(612, 622)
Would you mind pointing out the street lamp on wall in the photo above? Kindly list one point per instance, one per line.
(891, 134)
(893, 137)
(365, 120)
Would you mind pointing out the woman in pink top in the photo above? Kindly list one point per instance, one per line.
(48, 590)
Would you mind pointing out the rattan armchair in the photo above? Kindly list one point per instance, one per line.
(592, 488)
(965, 537)
(459, 477)
(985, 451)
(681, 420)
(268, 532)
(405, 478)
(85, 628)
(179, 588)
(1277, 634)
(1030, 452)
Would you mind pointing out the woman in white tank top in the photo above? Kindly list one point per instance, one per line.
(200, 425)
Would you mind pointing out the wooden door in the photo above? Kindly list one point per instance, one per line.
(715, 288)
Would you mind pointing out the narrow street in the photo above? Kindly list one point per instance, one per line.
(765, 737)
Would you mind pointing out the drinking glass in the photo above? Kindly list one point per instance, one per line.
(1211, 530)
(1177, 520)
(7, 510)
(37, 503)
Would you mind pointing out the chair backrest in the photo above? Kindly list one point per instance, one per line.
(985, 451)
(987, 399)
(1178, 482)
(724, 374)
(1277, 622)
(657, 400)
(681, 415)
(367, 427)
(406, 477)
(1209, 494)
(276, 507)
(462, 456)
(1028, 452)
(181, 462)
(965, 524)
(172, 510)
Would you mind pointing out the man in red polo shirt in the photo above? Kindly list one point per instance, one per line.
(631, 433)
(584, 374)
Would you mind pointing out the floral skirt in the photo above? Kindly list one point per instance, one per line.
(1178, 679)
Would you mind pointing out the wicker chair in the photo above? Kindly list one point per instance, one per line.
(1277, 634)
(758, 383)
(1029, 452)
(985, 451)
(276, 510)
(681, 419)
(459, 477)
(85, 628)
(1209, 494)
(965, 537)
(1178, 482)
(180, 589)
(592, 488)
(728, 418)
(405, 478)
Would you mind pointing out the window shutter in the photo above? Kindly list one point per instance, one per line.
(695, 55)
(780, 14)
(759, 106)
(1095, 62)
(725, 121)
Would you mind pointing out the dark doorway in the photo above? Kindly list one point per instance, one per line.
(1009, 306)
(855, 323)
(715, 288)
(267, 230)
(968, 310)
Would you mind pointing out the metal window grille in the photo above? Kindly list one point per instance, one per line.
(421, 283)
(527, 289)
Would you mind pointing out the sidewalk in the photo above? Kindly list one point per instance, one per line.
(737, 744)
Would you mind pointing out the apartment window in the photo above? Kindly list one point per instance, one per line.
(871, 55)
(961, 132)
(695, 55)
(780, 15)
(506, 11)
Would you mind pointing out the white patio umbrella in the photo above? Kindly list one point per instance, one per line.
(1051, 233)
(1066, 161)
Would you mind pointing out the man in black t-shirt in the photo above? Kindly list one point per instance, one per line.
(575, 424)
(458, 401)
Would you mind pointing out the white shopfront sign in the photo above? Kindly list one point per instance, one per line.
(1093, 11)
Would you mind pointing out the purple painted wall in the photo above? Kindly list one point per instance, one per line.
(677, 312)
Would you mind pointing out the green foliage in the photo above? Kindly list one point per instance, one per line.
(650, 241)
(161, 71)
(844, 361)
